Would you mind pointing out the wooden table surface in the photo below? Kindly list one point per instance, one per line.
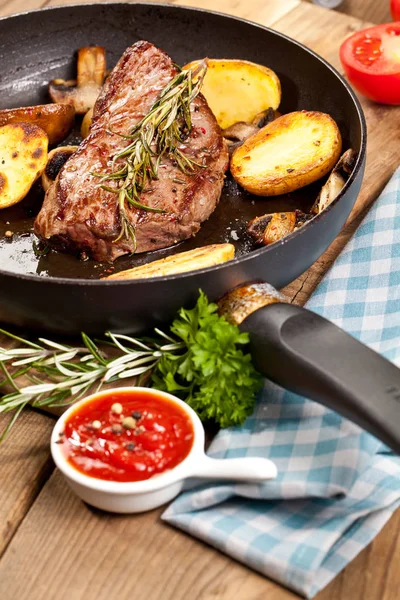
(54, 546)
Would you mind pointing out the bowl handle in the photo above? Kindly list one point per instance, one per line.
(235, 469)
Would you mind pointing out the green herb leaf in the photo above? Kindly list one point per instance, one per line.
(214, 375)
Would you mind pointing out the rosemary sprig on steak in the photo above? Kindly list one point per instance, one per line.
(160, 133)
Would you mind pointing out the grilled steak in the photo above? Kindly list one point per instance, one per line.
(78, 215)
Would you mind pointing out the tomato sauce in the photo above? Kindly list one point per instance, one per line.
(127, 436)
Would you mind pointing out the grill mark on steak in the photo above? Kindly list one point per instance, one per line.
(77, 215)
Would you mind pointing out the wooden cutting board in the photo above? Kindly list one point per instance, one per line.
(53, 546)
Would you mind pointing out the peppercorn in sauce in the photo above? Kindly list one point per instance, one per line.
(127, 436)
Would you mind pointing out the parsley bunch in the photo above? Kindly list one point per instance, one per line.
(212, 373)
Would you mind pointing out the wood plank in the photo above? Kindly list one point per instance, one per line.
(10, 7)
(84, 554)
(260, 11)
(24, 466)
(374, 573)
(376, 11)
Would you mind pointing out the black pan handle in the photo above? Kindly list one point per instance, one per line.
(307, 354)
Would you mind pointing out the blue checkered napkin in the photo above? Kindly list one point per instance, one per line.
(337, 485)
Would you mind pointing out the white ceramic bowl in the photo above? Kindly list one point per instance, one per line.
(139, 496)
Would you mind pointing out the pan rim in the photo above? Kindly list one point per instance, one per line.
(65, 281)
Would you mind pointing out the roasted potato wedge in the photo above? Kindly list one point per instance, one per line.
(23, 156)
(289, 153)
(200, 258)
(237, 90)
(55, 119)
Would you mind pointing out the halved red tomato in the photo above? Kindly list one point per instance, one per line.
(395, 9)
(371, 60)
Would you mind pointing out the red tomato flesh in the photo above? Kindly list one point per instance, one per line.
(160, 436)
(395, 9)
(371, 60)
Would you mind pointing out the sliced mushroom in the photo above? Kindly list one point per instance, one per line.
(86, 123)
(336, 181)
(265, 117)
(236, 134)
(270, 228)
(55, 161)
(346, 162)
(328, 193)
(232, 147)
(241, 302)
(239, 132)
(82, 93)
(257, 226)
(279, 227)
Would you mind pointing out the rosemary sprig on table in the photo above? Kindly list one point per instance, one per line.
(160, 133)
(71, 372)
(200, 359)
